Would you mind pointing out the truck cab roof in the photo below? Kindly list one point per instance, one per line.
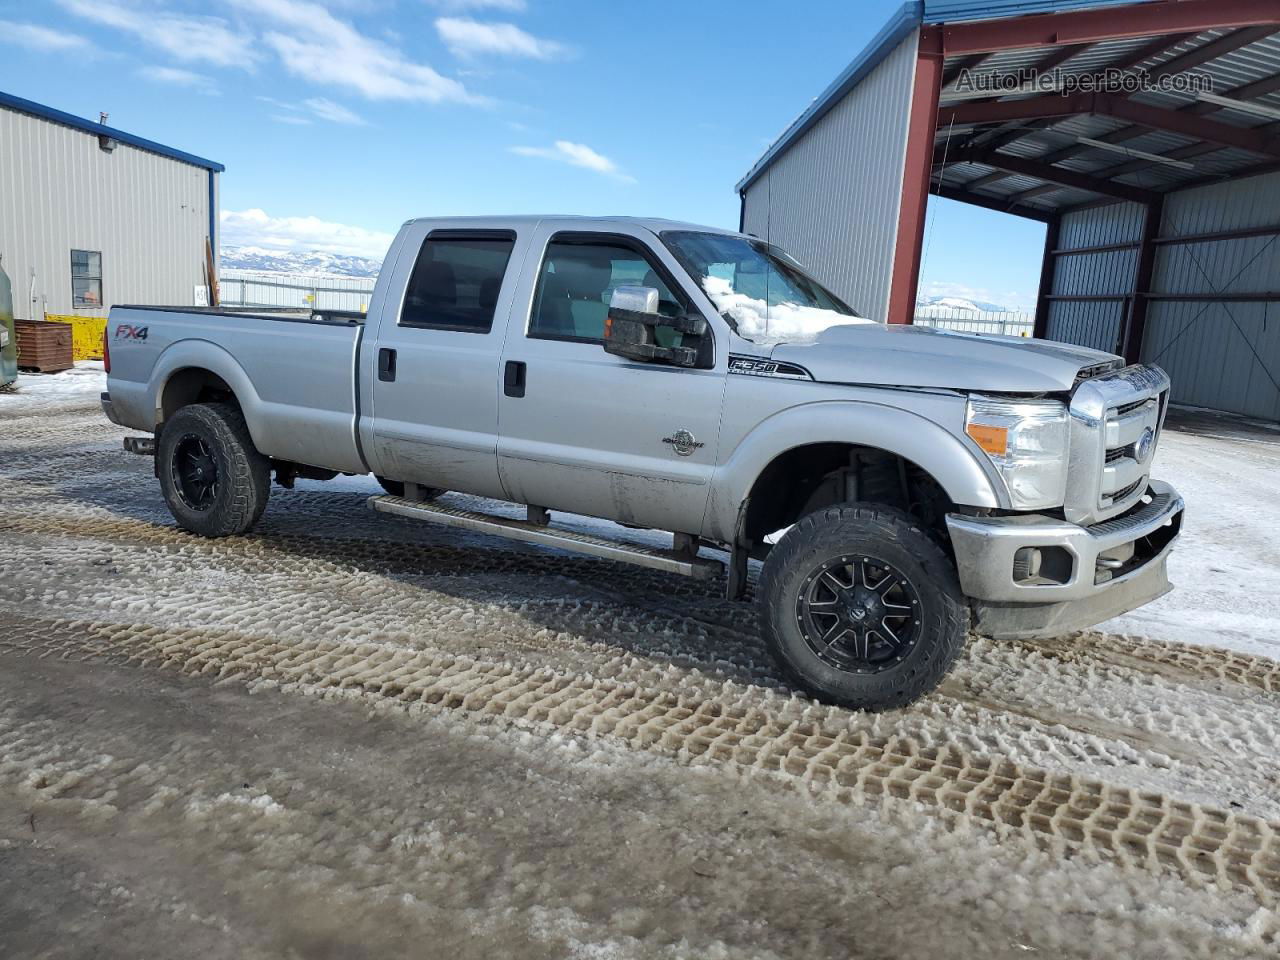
(653, 224)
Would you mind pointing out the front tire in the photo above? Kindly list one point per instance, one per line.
(861, 607)
(214, 480)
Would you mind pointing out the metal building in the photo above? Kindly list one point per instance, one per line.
(1145, 135)
(91, 215)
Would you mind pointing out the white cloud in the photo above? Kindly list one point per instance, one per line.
(255, 228)
(577, 155)
(325, 50)
(320, 108)
(333, 112)
(183, 37)
(175, 77)
(35, 37)
(510, 6)
(469, 38)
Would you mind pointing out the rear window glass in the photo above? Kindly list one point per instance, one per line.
(455, 283)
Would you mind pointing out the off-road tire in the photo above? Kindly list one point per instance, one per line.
(880, 533)
(243, 474)
(396, 489)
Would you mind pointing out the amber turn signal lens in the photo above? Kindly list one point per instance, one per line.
(994, 440)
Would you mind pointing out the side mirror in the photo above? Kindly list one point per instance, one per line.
(629, 329)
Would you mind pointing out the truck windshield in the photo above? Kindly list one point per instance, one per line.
(762, 292)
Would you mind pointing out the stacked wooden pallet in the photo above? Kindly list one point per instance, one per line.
(43, 346)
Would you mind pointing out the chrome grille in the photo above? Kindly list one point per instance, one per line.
(1115, 425)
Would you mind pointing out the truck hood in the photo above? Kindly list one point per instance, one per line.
(909, 356)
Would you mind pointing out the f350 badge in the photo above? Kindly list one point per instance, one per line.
(683, 443)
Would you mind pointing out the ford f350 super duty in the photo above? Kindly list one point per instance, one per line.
(901, 485)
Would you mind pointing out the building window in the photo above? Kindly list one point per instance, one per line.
(86, 278)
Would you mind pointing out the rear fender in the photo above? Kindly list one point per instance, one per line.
(206, 355)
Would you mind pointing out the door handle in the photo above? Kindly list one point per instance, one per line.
(513, 377)
(386, 364)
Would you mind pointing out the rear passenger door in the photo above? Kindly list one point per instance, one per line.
(435, 362)
(590, 432)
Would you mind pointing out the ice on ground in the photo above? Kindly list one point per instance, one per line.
(34, 392)
(1225, 567)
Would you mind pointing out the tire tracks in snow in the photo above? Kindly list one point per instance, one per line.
(1060, 812)
(1144, 732)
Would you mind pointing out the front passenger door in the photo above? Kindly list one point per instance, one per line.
(590, 432)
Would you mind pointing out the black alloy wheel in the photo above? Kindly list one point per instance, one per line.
(195, 472)
(858, 613)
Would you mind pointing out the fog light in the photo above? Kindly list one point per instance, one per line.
(1026, 563)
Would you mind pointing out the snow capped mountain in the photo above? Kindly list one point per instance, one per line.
(310, 263)
(929, 305)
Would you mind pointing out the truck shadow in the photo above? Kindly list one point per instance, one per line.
(570, 598)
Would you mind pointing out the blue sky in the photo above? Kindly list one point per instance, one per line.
(339, 119)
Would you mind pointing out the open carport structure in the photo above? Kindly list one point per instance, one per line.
(1146, 136)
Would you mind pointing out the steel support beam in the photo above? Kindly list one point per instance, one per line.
(1269, 231)
(993, 203)
(969, 63)
(1262, 296)
(1188, 125)
(1100, 248)
(1048, 267)
(916, 177)
(1107, 23)
(1135, 327)
(1128, 62)
(1158, 118)
(1043, 171)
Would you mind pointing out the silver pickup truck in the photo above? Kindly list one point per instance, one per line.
(901, 485)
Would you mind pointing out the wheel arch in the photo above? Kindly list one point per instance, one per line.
(198, 371)
(823, 435)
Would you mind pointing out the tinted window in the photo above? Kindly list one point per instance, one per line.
(577, 282)
(455, 283)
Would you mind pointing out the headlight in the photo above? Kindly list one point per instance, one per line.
(1027, 441)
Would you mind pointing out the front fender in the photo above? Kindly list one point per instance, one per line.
(960, 468)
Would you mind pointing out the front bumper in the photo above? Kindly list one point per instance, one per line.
(1090, 574)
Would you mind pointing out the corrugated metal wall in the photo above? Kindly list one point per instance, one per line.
(1096, 324)
(832, 199)
(148, 215)
(1220, 355)
(1224, 356)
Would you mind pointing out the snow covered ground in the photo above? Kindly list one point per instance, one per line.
(353, 735)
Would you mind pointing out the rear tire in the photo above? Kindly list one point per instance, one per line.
(861, 607)
(214, 480)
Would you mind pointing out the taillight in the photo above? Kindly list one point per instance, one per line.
(106, 351)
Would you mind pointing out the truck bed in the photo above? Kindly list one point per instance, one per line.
(294, 373)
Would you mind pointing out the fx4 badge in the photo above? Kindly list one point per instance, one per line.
(683, 443)
(127, 331)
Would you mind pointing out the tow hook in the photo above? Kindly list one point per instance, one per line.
(142, 446)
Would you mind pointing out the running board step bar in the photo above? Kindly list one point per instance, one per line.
(698, 567)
